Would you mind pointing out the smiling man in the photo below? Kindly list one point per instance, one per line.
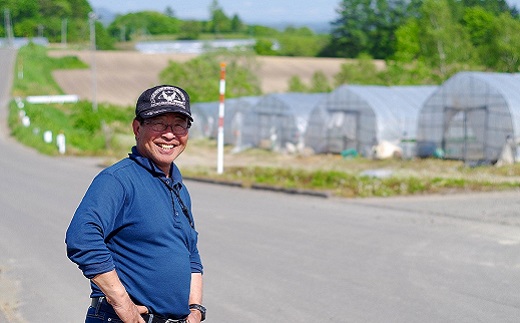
(133, 234)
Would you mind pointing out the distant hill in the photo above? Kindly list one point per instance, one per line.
(321, 27)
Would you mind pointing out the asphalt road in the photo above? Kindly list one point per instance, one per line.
(274, 257)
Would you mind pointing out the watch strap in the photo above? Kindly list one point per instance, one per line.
(199, 308)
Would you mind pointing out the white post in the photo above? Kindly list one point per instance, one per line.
(220, 136)
(60, 142)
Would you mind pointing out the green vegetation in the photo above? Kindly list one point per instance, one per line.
(197, 75)
(348, 179)
(33, 18)
(88, 133)
(34, 69)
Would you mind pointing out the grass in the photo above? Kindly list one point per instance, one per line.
(354, 183)
(107, 133)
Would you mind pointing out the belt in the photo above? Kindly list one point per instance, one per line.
(149, 318)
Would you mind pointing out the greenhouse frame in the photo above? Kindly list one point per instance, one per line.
(279, 120)
(202, 124)
(234, 110)
(473, 116)
(358, 117)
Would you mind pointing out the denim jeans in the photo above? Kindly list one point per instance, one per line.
(99, 315)
(103, 312)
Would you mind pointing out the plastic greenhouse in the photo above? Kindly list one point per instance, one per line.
(234, 110)
(471, 117)
(200, 127)
(357, 117)
(278, 121)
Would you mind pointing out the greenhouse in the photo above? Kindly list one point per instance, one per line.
(357, 117)
(473, 117)
(278, 121)
(234, 110)
(201, 123)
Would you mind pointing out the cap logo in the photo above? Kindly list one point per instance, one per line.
(168, 95)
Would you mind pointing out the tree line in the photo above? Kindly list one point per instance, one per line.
(428, 40)
(442, 34)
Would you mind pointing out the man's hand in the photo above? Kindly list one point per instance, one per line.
(117, 296)
(195, 316)
(129, 312)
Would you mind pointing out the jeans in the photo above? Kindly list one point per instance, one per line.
(99, 315)
(105, 313)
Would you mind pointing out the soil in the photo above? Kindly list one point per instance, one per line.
(122, 75)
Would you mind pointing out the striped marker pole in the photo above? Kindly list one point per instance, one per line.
(220, 138)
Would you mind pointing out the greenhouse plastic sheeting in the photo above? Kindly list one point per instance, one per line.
(201, 126)
(279, 121)
(357, 117)
(471, 117)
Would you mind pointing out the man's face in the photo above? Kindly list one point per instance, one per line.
(162, 139)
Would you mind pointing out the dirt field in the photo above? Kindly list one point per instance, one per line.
(122, 75)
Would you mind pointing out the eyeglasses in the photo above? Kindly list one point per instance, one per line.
(177, 129)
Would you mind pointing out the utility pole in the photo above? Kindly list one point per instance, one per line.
(8, 28)
(92, 23)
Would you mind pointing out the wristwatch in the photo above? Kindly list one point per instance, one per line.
(199, 308)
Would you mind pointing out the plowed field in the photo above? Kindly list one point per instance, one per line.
(122, 75)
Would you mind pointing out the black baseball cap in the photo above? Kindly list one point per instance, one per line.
(163, 99)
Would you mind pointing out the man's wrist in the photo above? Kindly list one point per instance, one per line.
(201, 309)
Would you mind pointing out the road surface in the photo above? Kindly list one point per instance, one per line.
(273, 257)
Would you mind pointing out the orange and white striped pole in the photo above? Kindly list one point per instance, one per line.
(220, 135)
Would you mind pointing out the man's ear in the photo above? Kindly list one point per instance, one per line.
(136, 126)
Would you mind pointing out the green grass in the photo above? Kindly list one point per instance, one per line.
(87, 132)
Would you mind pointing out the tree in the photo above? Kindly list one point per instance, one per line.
(296, 85)
(264, 47)
(320, 83)
(237, 26)
(200, 76)
(169, 12)
(408, 44)
(444, 41)
(368, 26)
(144, 22)
(30, 17)
(504, 46)
(349, 35)
(190, 29)
(361, 71)
(495, 7)
(55, 8)
(479, 23)
(220, 23)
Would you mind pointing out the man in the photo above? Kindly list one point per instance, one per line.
(133, 234)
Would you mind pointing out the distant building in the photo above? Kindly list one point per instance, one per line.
(193, 46)
(22, 41)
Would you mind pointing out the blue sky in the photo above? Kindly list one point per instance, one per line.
(250, 11)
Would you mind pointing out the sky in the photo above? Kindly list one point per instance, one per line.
(250, 11)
